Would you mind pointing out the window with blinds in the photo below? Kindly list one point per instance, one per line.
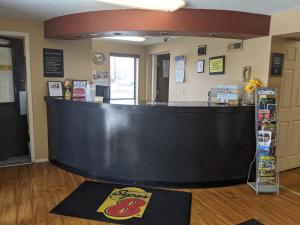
(123, 76)
(6, 76)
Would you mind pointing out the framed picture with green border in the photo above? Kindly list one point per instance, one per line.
(217, 65)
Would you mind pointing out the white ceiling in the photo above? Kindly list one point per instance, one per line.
(150, 40)
(46, 9)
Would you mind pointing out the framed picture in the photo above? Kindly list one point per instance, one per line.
(55, 88)
(217, 65)
(202, 50)
(200, 66)
(277, 64)
(78, 88)
(53, 61)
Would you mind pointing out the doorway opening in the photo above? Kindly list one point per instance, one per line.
(161, 72)
(124, 72)
(14, 132)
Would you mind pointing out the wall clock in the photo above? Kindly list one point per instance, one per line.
(98, 58)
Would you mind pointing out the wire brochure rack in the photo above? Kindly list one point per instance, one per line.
(266, 171)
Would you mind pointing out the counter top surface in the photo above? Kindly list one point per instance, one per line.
(155, 104)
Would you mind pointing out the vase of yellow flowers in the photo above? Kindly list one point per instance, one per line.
(249, 91)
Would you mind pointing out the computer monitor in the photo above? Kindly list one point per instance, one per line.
(104, 92)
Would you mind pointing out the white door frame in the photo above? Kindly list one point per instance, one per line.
(25, 37)
(154, 72)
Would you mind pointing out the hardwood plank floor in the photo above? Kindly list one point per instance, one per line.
(29, 192)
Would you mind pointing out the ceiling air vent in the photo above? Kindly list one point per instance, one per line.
(235, 46)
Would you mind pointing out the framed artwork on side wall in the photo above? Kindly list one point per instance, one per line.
(202, 50)
(55, 88)
(217, 65)
(200, 66)
(277, 61)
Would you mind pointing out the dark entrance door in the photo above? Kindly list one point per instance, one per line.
(13, 119)
(162, 86)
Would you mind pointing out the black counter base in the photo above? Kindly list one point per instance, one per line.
(168, 146)
(145, 183)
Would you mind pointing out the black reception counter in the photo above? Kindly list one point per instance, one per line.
(175, 144)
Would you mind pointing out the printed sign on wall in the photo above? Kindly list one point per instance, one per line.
(277, 64)
(180, 68)
(53, 60)
(217, 65)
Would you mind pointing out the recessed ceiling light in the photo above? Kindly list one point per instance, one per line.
(127, 38)
(163, 5)
(214, 35)
(164, 33)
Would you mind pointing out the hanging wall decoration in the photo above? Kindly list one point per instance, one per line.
(202, 50)
(277, 64)
(200, 66)
(217, 65)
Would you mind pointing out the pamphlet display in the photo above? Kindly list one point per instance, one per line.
(266, 142)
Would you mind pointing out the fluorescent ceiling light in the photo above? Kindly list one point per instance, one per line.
(127, 38)
(163, 5)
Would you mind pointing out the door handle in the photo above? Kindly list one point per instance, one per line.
(23, 102)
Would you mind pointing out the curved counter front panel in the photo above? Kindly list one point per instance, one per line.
(175, 145)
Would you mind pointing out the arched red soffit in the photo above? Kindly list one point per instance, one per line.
(183, 22)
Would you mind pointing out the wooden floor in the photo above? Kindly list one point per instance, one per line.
(27, 193)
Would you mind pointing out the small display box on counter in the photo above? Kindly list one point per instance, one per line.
(266, 176)
(225, 94)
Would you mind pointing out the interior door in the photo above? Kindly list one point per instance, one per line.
(162, 85)
(289, 109)
(13, 119)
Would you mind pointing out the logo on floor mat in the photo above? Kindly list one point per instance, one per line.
(125, 203)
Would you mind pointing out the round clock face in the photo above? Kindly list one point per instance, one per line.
(98, 58)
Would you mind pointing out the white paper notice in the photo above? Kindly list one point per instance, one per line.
(6, 76)
(180, 65)
(23, 102)
(166, 68)
(200, 66)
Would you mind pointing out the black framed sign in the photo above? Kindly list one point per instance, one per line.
(277, 64)
(217, 65)
(53, 60)
(202, 50)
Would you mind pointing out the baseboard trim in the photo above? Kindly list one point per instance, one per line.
(41, 160)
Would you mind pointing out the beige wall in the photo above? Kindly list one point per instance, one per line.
(284, 23)
(78, 65)
(107, 47)
(255, 53)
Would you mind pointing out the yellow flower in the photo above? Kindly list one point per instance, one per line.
(252, 85)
